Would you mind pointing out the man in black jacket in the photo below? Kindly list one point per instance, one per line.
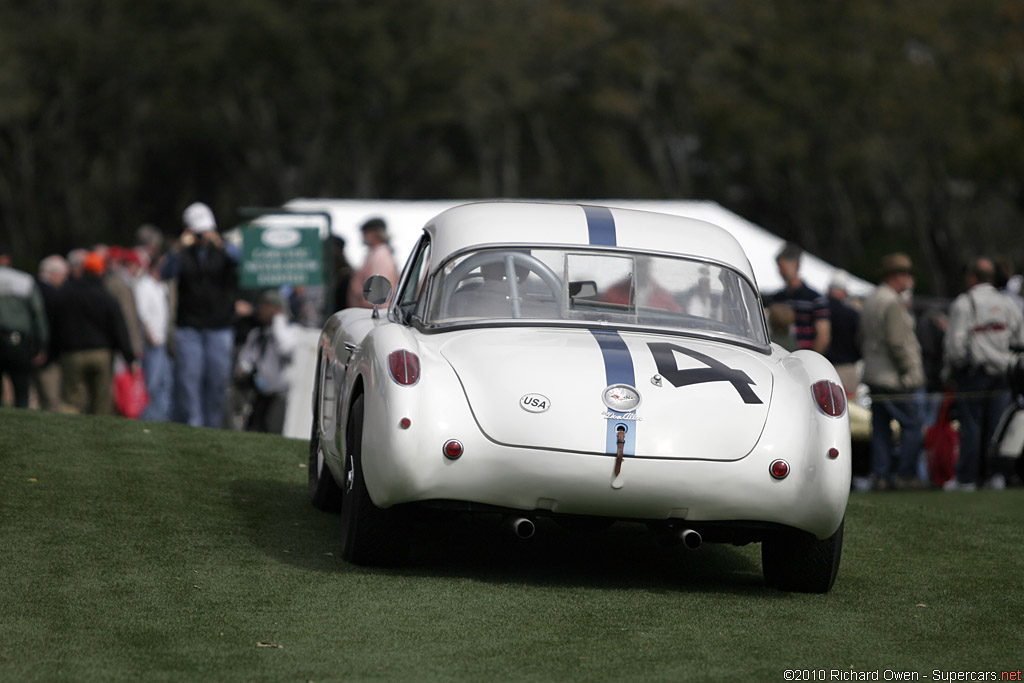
(207, 273)
(88, 328)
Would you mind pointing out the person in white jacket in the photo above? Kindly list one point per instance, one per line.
(985, 327)
(264, 363)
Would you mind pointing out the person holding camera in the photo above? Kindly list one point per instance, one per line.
(984, 328)
(206, 270)
(264, 364)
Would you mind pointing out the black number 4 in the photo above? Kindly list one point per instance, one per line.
(714, 372)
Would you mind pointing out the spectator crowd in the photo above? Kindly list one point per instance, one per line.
(906, 359)
(214, 356)
(210, 354)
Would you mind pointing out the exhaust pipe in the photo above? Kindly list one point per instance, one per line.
(522, 527)
(689, 538)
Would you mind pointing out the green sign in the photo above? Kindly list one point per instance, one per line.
(277, 256)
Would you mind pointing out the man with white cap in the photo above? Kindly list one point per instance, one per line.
(207, 273)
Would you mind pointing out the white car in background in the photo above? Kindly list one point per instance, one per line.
(580, 362)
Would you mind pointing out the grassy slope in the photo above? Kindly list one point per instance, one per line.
(133, 551)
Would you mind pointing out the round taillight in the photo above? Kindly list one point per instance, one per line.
(779, 469)
(405, 423)
(829, 397)
(452, 449)
(833, 453)
(404, 367)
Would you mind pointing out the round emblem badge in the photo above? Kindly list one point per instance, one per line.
(534, 403)
(621, 398)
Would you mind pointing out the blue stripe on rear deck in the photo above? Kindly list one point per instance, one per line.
(601, 225)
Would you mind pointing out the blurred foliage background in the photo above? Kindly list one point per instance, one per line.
(852, 127)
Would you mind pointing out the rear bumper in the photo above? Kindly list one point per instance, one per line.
(812, 498)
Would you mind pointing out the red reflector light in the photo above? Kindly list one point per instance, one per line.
(779, 469)
(829, 397)
(833, 453)
(452, 449)
(404, 366)
(405, 423)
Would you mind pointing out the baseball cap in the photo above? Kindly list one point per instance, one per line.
(94, 264)
(198, 218)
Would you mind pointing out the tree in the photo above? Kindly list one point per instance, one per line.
(852, 128)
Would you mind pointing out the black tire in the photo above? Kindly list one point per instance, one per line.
(324, 492)
(370, 536)
(797, 561)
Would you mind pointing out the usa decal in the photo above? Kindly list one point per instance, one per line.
(534, 403)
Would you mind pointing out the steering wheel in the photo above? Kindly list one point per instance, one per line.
(510, 259)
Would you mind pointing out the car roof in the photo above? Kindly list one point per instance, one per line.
(526, 224)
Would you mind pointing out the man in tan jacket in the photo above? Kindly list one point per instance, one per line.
(894, 372)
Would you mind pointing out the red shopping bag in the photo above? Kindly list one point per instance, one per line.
(130, 395)
(942, 445)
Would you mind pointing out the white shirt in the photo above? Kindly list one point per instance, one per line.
(267, 355)
(152, 302)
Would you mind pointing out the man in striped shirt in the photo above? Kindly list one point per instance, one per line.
(813, 329)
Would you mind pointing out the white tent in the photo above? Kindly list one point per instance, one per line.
(406, 219)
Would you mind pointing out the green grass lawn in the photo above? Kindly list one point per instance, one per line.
(150, 552)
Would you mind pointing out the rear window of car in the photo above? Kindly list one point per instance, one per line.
(596, 287)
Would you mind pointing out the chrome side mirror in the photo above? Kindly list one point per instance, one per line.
(376, 290)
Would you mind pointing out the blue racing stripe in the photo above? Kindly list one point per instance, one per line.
(601, 225)
(618, 369)
(618, 364)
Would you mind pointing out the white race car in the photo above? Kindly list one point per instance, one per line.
(583, 363)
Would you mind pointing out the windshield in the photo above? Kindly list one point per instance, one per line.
(601, 287)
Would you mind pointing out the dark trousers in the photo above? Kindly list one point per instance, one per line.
(16, 363)
(905, 408)
(20, 379)
(267, 414)
(980, 401)
(88, 378)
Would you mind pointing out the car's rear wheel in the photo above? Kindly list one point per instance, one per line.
(369, 535)
(797, 561)
(324, 492)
